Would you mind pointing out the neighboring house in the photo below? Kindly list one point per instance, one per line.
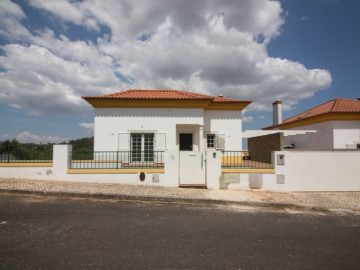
(337, 125)
(150, 120)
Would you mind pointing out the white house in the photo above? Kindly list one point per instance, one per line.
(147, 120)
(172, 138)
(337, 125)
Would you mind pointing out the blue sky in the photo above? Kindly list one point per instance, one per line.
(53, 52)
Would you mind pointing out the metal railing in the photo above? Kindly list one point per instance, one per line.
(118, 160)
(26, 154)
(246, 159)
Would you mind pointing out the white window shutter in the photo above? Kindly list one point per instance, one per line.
(124, 142)
(160, 141)
(220, 141)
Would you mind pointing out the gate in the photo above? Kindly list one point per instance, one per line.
(192, 168)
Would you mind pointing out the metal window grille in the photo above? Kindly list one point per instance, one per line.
(210, 141)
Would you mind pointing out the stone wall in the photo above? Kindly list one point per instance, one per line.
(260, 147)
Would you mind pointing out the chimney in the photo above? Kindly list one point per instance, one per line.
(277, 112)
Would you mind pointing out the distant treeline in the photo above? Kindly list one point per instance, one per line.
(13, 147)
(82, 148)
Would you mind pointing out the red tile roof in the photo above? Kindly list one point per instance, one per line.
(338, 105)
(155, 94)
(165, 94)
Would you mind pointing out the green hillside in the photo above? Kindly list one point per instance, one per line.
(12, 148)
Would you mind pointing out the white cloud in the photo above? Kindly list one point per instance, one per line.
(28, 137)
(247, 119)
(42, 82)
(88, 126)
(206, 46)
(10, 21)
(67, 11)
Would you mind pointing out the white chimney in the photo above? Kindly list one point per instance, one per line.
(277, 112)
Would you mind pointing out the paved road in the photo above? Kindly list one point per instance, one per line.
(61, 233)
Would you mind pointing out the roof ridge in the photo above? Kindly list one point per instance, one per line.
(180, 91)
(335, 105)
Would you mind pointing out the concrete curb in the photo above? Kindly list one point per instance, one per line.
(142, 198)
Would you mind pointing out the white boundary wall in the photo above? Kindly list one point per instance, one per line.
(319, 170)
(330, 135)
(256, 182)
(61, 164)
(301, 171)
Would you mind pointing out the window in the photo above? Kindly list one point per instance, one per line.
(210, 141)
(142, 147)
(216, 141)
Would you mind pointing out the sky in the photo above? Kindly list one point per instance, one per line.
(53, 52)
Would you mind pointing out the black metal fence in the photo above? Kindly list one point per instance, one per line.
(245, 159)
(26, 153)
(118, 160)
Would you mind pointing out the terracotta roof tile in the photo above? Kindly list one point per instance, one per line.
(155, 94)
(166, 94)
(338, 105)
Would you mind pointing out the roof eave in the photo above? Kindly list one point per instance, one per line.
(98, 102)
(237, 105)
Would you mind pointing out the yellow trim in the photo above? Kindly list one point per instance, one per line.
(338, 116)
(232, 160)
(248, 170)
(26, 164)
(228, 106)
(201, 103)
(113, 171)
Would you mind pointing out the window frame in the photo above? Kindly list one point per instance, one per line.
(219, 140)
(211, 139)
(144, 154)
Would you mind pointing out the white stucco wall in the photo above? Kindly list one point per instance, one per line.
(321, 140)
(228, 123)
(330, 135)
(346, 134)
(110, 122)
(58, 171)
(266, 181)
(320, 170)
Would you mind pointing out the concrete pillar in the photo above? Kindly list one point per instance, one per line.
(213, 168)
(61, 159)
(171, 175)
(201, 138)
